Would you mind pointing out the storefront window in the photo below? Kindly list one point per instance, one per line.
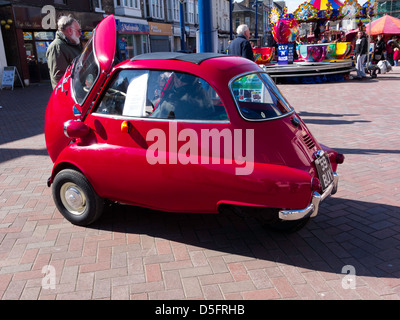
(43, 35)
(27, 36)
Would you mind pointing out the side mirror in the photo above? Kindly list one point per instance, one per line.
(76, 111)
(75, 129)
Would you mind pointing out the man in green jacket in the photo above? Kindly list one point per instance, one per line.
(65, 47)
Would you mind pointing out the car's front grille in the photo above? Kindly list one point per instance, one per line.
(308, 141)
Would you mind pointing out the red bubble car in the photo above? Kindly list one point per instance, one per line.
(181, 133)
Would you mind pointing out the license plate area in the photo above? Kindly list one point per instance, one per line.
(324, 169)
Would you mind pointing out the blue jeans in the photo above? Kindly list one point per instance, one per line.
(360, 66)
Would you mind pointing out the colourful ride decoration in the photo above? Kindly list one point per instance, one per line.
(263, 55)
(285, 31)
(325, 4)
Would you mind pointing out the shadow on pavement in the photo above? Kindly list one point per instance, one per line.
(305, 114)
(322, 114)
(366, 151)
(22, 112)
(346, 232)
(7, 154)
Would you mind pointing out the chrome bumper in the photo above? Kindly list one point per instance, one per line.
(312, 209)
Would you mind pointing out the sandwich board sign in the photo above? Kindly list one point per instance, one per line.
(8, 77)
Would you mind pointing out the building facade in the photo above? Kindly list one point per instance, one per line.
(32, 26)
(391, 7)
(142, 26)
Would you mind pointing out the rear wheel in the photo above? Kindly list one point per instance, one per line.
(75, 198)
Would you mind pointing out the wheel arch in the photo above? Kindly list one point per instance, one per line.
(62, 166)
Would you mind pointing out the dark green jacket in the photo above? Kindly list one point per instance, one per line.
(60, 54)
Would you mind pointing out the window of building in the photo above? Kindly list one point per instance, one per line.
(190, 11)
(157, 9)
(97, 5)
(126, 3)
(173, 10)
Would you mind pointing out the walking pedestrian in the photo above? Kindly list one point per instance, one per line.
(241, 45)
(360, 53)
(64, 49)
(379, 49)
(396, 56)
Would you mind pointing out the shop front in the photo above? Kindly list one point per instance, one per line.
(189, 36)
(27, 40)
(160, 37)
(132, 37)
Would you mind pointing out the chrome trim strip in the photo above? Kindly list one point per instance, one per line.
(122, 117)
(66, 123)
(312, 209)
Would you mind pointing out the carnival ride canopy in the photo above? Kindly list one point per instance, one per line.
(385, 25)
(317, 10)
(323, 4)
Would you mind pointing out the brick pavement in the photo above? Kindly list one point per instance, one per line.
(134, 253)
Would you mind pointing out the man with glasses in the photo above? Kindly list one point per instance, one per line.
(65, 47)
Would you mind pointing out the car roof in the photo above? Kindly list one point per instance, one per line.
(196, 58)
(216, 69)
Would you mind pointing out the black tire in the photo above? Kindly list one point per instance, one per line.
(75, 198)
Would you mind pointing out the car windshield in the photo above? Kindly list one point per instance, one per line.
(84, 73)
(258, 98)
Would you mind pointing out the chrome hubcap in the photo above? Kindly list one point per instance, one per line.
(73, 198)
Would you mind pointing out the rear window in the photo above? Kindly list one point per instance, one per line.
(258, 98)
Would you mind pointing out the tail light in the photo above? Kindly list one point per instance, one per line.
(339, 158)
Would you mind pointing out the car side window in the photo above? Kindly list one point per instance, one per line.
(258, 98)
(162, 94)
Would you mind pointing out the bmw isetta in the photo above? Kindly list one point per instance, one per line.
(199, 133)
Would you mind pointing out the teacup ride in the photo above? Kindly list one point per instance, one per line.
(263, 55)
(316, 53)
(313, 52)
(342, 50)
(331, 51)
(302, 51)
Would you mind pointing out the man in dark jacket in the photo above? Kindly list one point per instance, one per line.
(65, 47)
(241, 45)
(360, 53)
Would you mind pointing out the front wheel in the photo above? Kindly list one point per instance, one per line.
(75, 198)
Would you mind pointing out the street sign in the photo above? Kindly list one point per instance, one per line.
(8, 78)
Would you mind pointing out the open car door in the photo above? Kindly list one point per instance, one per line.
(74, 94)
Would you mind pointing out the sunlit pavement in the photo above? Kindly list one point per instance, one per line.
(351, 250)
